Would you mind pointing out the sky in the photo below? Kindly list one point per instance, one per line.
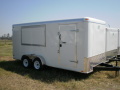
(25, 11)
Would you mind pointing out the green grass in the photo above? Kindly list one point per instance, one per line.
(5, 48)
(13, 76)
(5, 42)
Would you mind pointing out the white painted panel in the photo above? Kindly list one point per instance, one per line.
(33, 35)
(96, 39)
(112, 39)
(16, 42)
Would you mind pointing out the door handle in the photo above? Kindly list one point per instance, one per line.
(64, 42)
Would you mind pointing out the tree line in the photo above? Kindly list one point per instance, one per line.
(6, 36)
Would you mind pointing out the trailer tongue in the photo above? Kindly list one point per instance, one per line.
(109, 67)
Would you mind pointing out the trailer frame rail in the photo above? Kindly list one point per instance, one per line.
(109, 67)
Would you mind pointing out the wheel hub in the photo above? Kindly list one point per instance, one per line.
(37, 65)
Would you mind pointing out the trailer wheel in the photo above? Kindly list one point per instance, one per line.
(26, 62)
(37, 64)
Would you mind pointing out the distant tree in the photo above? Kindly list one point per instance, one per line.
(8, 36)
(4, 36)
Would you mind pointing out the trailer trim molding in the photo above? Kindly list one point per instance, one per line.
(91, 62)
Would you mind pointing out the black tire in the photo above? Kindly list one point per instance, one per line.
(37, 64)
(26, 62)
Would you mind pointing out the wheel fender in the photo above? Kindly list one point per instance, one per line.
(24, 57)
(42, 59)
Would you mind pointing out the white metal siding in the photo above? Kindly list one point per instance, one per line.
(96, 39)
(112, 39)
(16, 43)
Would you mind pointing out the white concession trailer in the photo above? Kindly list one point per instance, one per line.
(73, 44)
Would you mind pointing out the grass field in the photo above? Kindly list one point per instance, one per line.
(14, 77)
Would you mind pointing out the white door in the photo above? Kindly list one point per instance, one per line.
(67, 45)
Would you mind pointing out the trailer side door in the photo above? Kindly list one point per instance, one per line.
(67, 45)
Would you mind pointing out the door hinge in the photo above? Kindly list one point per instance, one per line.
(58, 51)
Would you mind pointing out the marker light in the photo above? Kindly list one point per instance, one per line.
(86, 19)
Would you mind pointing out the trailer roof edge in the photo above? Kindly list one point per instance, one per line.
(63, 21)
